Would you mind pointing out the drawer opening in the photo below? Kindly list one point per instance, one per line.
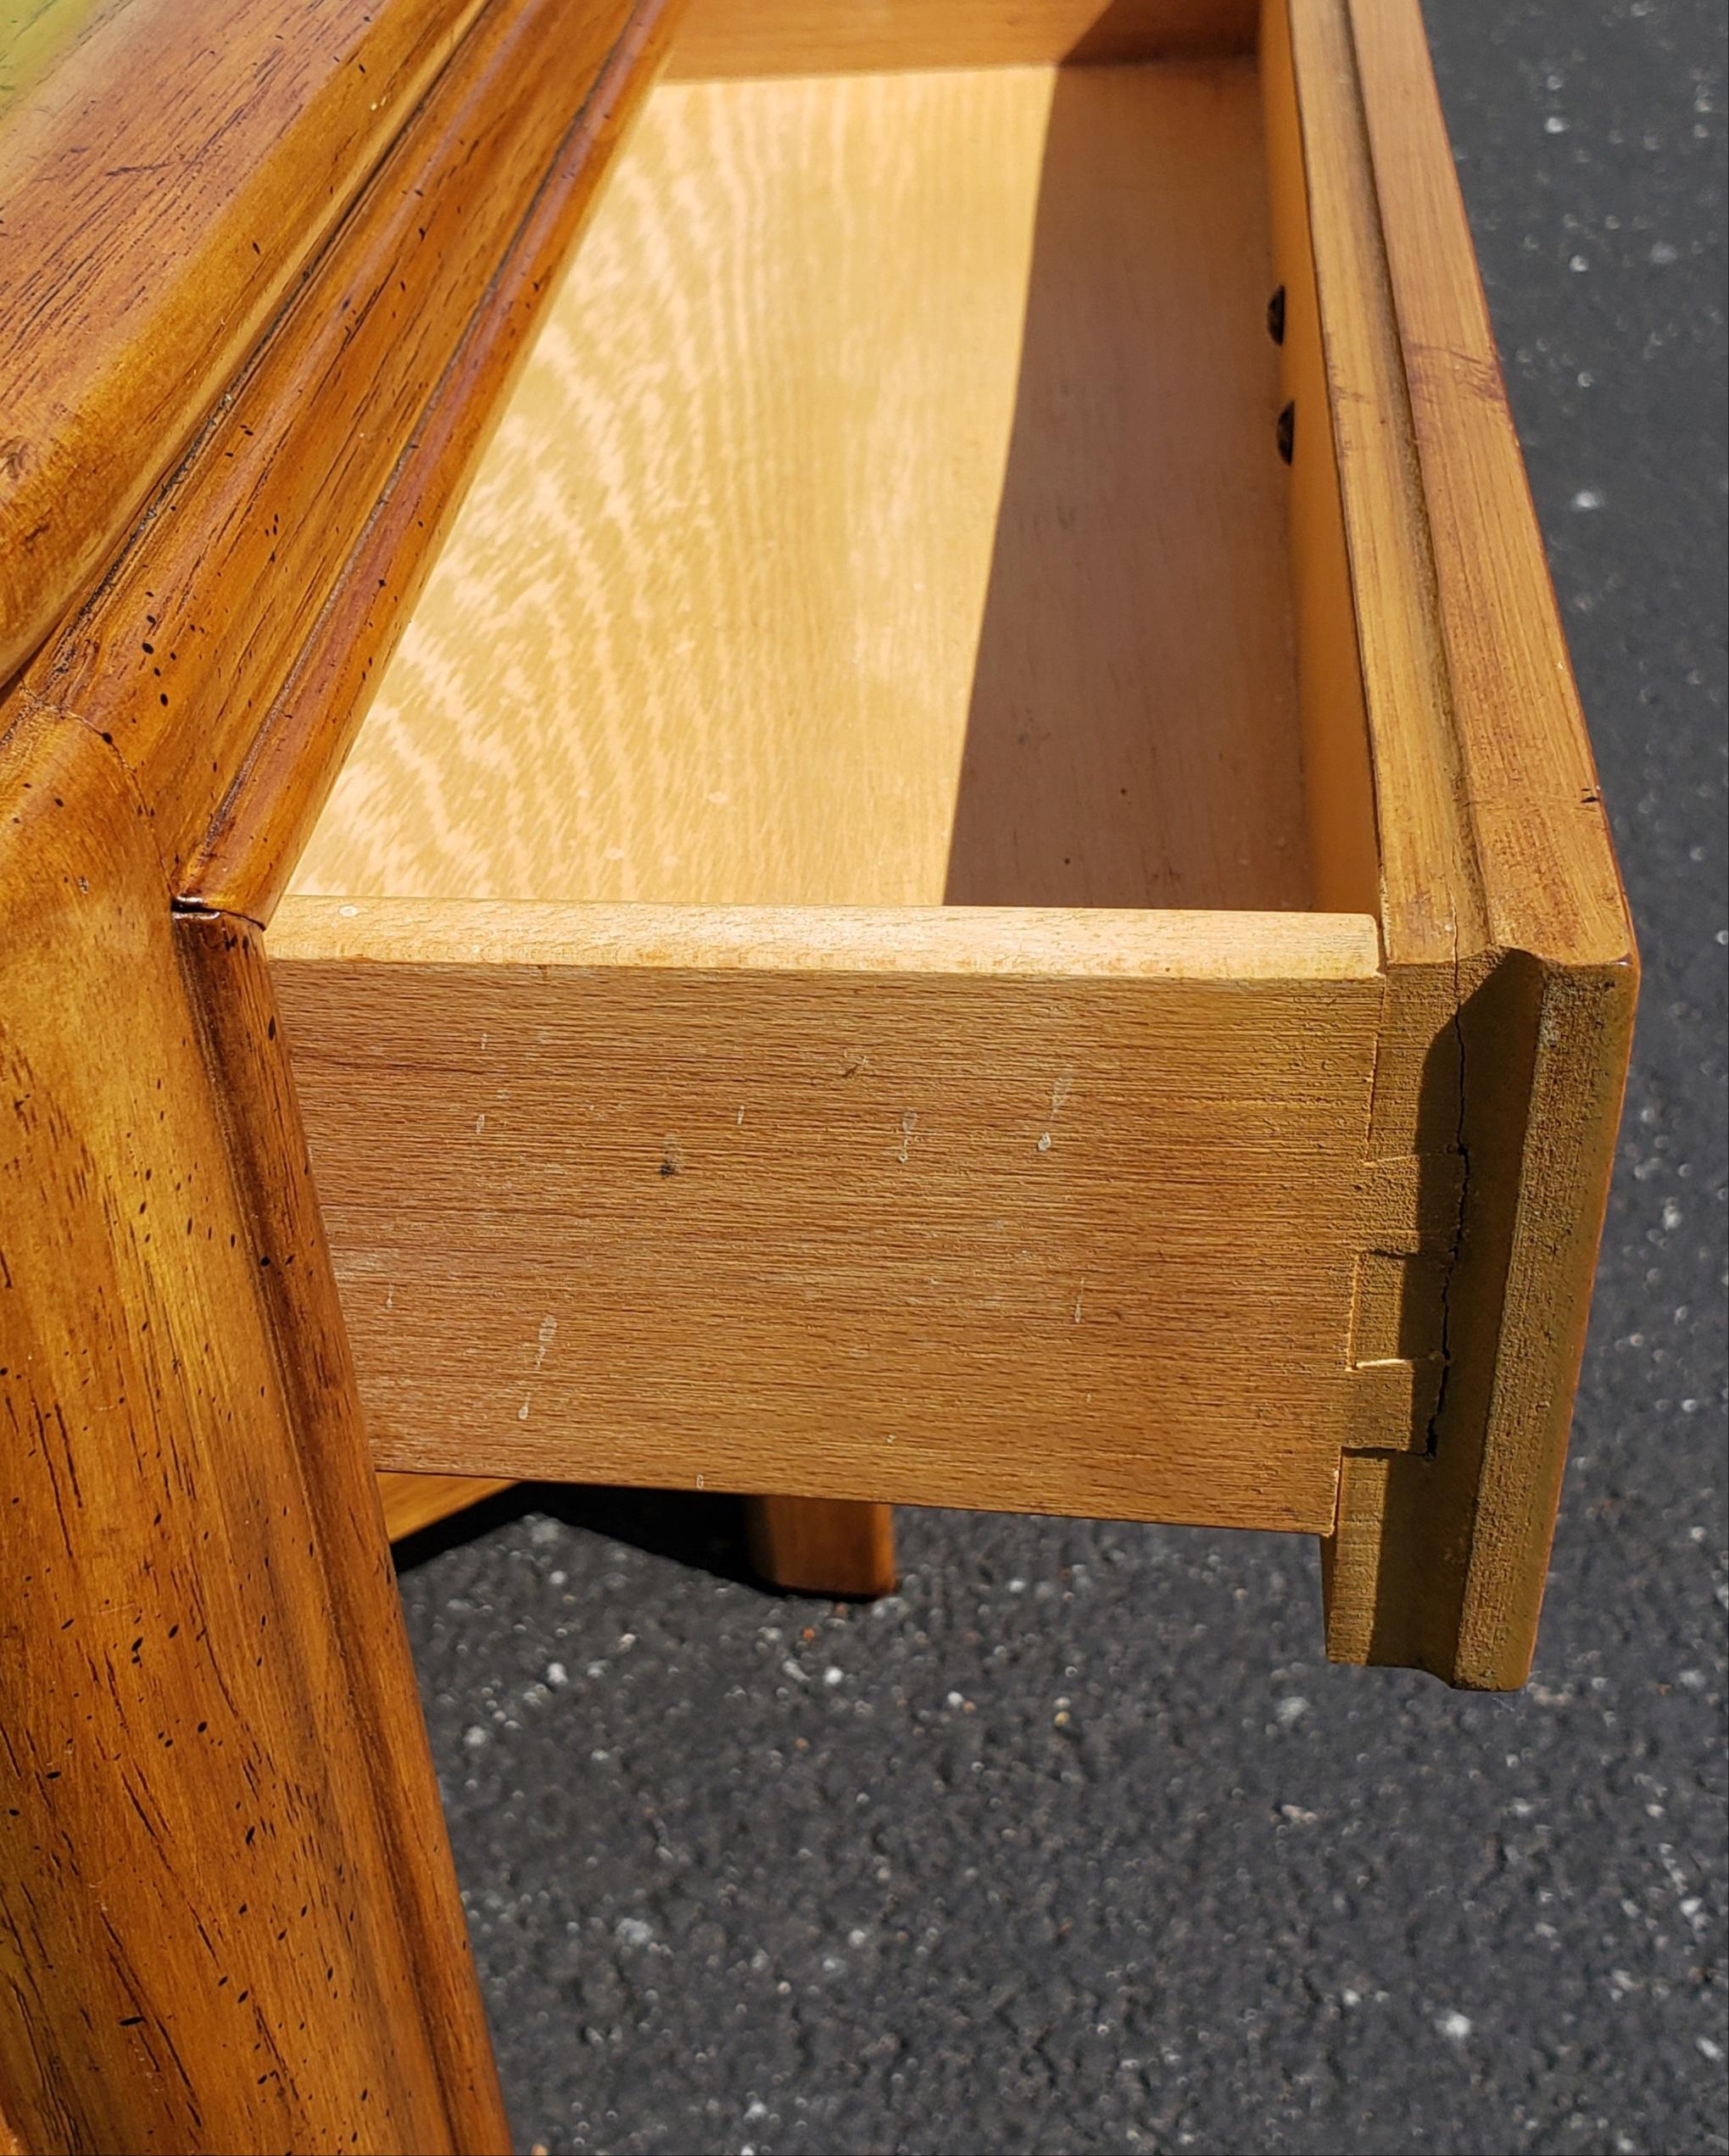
(890, 512)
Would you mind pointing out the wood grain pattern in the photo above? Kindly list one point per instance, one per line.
(759, 37)
(745, 734)
(587, 73)
(1546, 866)
(887, 513)
(167, 169)
(1511, 973)
(231, 650)
(228, 1919)
(1029, 943)
(811, 1547)
(959, 1224)
(412, 1501)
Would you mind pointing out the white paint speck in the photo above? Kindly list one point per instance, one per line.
(1555, 125)
(557, 1674)
(909, 1123)
(1663, 255)
(832, 1676)
(631, 1931)
(1454, 2026)
(1290, 1711)
(474, 1736)
(1709, 2049)
(1587, 497)
(1045, 1142)
(1673, 1215)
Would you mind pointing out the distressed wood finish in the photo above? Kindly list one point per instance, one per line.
(307, 242)
(1260, 1215)
(232, 651)
(223, 1832)
(1511, 969)
(938, 1206)
(168, 168)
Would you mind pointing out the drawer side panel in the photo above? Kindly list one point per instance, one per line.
(1076, 1245)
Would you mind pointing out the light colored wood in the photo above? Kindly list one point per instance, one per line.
(230, 653)
(811, 1547)
(888, 514)
(764, 718)
(959, 1221)
(167, 168)
(1032, 945)
(227, 1915)
(412, 1501)
(1511, 973)
(758, 37)
(1338, 782)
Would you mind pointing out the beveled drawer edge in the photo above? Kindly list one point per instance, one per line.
(1047, 941)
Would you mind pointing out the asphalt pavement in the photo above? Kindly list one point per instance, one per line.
(1076, 1843)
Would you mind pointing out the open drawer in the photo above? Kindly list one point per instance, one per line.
(977, 880)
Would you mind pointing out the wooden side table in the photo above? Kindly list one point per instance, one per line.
(974, 879)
